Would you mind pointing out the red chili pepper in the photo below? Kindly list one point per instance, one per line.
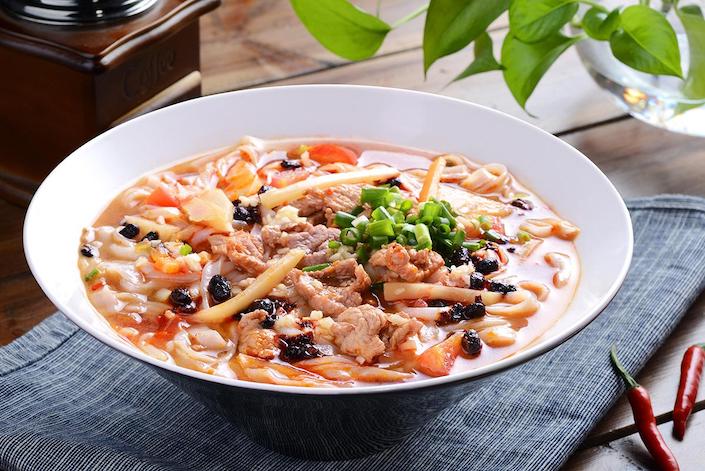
(691, 371)
(644, 418)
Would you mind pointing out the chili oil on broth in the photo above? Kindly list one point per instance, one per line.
(519, 268)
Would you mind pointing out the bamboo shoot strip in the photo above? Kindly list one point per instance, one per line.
(395, 291)
(433, 178)
(278, 196)
(260, 288)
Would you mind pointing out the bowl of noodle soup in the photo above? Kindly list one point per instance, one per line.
(329, 261)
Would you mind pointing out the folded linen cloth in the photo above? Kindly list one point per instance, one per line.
(67, 402)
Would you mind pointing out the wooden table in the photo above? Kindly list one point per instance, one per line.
(260, 43)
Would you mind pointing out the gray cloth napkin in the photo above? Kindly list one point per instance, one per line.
(67, 402)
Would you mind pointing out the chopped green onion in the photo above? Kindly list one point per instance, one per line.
(360, 223)
(523, 237)
(393, 199)
(374, 196)
(444, 229)
(362, 254)
(406, 206)
(447, 214)
(349, 236)
(445, 244)
(357, 210)
(459, 237)
(494, 236)
(408, 231)
(401, 239)
(378, 241)
(485, 223)
(439, 221)
(398, 228)
(91, 274)
(333, 244)
(381, 228)
(318, 267)
(474, 246)
(185, 249)
(449, 207)
(429, 211)
(394, 189)
(343, 219)
(423, 237)
(381, 213)
(412, 218)
(361, 219)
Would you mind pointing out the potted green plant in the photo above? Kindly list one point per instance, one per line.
(650, 55)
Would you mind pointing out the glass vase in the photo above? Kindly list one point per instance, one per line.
(657, 100)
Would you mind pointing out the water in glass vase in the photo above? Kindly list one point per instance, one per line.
(664, 101)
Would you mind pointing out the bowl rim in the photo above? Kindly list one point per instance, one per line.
(516, 359)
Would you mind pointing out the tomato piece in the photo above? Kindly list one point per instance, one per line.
(161, 196)
(164, 263)
(439, 359)
(98, 285)
(497, 225)
(242, 179)
(331, 153)
(166, 329)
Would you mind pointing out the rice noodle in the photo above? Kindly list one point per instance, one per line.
(424, 313)
(338, 330)
(210, 269)
(177, 278)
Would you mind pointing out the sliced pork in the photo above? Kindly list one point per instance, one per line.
(356, 332)
(366, 331)
(398, 263)
(243, 248)
(254, 340)
(306, 236)
(329, 201)
(334, 289)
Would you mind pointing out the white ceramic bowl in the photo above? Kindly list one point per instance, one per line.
(80, 187)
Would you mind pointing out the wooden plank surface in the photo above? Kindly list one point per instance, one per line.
(246, 43)
(566, 99)
(24, 305)
(642, 160)
(628, 453)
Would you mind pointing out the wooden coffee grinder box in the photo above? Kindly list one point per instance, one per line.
(72, 69)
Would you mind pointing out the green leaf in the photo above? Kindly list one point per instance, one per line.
(484, 60)
(646, 42)
(341, 27)
(525, 64)
(599, 24)
(694, 26)
(534, 20)
(453, 24)
(692, 10)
